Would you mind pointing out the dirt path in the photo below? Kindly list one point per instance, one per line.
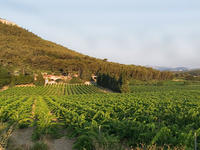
(59, 144)
(21, 138)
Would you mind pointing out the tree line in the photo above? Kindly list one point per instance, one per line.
(112, 82)
(8, 78)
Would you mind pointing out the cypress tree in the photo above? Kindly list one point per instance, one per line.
(40, 80)
(123, 84)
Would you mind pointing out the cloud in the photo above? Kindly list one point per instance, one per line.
(130, 31)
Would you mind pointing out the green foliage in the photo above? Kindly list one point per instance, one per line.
(59, 90)
(40, 80)
(22, 79)
(75, 80)
(123, 84)
(84, 142)
(160, 83)
(113, 83)
(124, 88)
(173, 83)
(136, 82)
(162, 89)
(163, 136)
(187, 83)
(108, 81)
(39, 146)
(192, 75)
(55, 131)
(5, 77)
(23, 125)
(85, 73)
(21, 48)
(159, 115)
(36, 135)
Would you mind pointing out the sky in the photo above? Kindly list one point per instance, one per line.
(141, 32)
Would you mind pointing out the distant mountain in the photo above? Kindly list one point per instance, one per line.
(176, 69)
(23, 50)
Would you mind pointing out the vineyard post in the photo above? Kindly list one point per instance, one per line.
(195, 141)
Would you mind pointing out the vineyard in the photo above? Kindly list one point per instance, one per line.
(145, 88)
(57, 89)
(162, 116)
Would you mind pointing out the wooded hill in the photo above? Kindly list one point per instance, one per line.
(195, 72)
(193, 75)
(20, 48)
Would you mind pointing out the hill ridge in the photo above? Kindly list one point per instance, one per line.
(21, 49)
(7, 22)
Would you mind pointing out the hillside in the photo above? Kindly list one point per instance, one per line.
(22, 49)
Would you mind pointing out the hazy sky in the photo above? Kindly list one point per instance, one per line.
(141, 32)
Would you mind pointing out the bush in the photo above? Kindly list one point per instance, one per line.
(123, 83)
(125, 88)
(36, 135)
(39, 146)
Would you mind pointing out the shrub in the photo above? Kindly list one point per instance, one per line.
(39, 146)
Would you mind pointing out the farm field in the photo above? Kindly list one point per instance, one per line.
(149, 115)
(163, 89)
(58, 89)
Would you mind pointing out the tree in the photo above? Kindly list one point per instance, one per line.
(105, 59)
(5, 77)
(113, 82)
(24, 50)
(22, 79)
(123, 84)
(84, 73)
(40, 80)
